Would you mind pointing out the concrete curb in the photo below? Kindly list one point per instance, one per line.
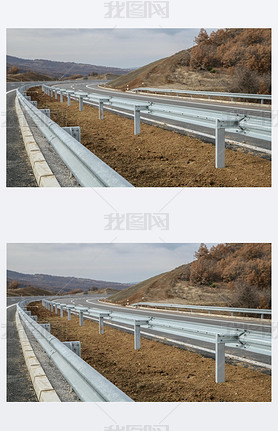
(43, 388)
(43, 174)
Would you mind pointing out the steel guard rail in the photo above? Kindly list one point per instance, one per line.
(247, 125)
(88, 384)
(252, 341)
(208, 308)
(87, 168)
(244, 125)
(233, 96)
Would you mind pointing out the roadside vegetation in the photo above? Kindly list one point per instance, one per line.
(228, 275)
(235, 60)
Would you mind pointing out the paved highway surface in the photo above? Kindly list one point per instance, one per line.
(263, 111)
(19, 384)
(19, 169)
(252, 324)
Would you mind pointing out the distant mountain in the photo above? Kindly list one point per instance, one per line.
(60, 69)
(57, 283)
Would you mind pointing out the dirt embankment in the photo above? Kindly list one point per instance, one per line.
(156, 157)
(156, 372)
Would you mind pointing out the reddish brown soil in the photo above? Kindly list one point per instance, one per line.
(156, 157)
(156, 372)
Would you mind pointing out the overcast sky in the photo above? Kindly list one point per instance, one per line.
(110, 262)
(125, 48)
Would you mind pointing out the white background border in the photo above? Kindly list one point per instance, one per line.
(196, 215)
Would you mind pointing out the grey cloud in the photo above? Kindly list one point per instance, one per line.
(114, 262)
(107, 47)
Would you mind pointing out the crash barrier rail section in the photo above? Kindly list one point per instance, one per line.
(209, 94)
(87, 383)
(232, 310)
(244, 125)
(246, 340)
(87, 168)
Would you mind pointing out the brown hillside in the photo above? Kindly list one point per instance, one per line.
(28, 76)
(236, 275)
(237, 60)
(28, 291)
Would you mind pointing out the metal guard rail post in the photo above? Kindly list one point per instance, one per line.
(251, 126)
(251, 341)
(87, 168)
(88, 384)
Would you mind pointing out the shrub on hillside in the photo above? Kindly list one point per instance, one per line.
(246, 296)
(13, 70)
(235, 264)
(235, 49)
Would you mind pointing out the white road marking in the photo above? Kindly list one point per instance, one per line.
(104, 305)
(12, 305)
(185, 100)
(11, 90)
(197, 317)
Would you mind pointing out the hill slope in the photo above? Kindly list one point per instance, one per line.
(57, 283)
(237, 60)
(28, 291)
(236, 275)
(28, 76)
(59, 69)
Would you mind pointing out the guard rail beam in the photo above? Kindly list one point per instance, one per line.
(252, 341)
(209, 94)
(87, 168)
(88, 384)
(208, 308)
(244, 125)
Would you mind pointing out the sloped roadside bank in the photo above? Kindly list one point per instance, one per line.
(156, 372)
(156, 157)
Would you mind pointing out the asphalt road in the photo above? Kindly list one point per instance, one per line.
(263, 111)
(19, 169)
(251, 324)
(19, 384)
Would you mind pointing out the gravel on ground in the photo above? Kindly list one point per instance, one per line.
(19, 384)
(57, 380)
(19, 169)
